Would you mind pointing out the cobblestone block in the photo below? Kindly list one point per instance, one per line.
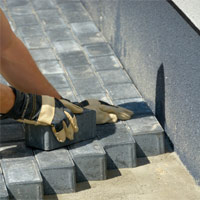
(73, 59)
(21, 10)
(11, 132)
(72, 6)
(36, 42)
(50, 67)
(25, 20)
(137, 105)
(44, 4)
(42, 54)
(64, 1)
(66, 46)
(99, 96)
(57, 80)
(67, 93)
(88, 86)
(148, 134)
(99, 49)
(2, 5)
(90, 160)
(57, 170)
(42, 137)
(105, 63)
(118, 144)
(91, 39)
(29, 31)
(3, 189)
(14, 3)
(110, 77)
(123, 91)
(59, 34)
(23, 179)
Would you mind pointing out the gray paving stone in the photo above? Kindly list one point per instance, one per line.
(99, 49)
(3, 190)
(80, 72)
(67, 93)
(51, 19)
(137, 105)
(57, 170)
(23, 179)
(50, 67)
(21, 10)
(14, 3)
(25, 20)
(110, 77)
(123, 91)
(42, 54)
(91, 39)
(29, 31)
(88, 86)
(2, 5)
(148, 134)
(90, 160)
(66, 46)
(105, 63)
(118, 144)
(11, 132)
(59, 34)
(2, 80)
(42, 137)
(64, 1)
(72, 6)
(36, 42)
(57, 80)
(43, 4)
(73, 59)
(100, 96)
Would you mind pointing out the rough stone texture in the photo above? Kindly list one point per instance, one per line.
(119, 145)
(148, 134)
(57, 170)
(90, 160)
(3, 189)
(42, 54)
(42, 137)
(36, 42)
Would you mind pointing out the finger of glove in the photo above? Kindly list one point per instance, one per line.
(122, 113)
(69, 131)
(74, 108)
(73, 121)
(103, 117)
(60, 135)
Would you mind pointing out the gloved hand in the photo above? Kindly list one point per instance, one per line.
(44, 110)
(106, 113)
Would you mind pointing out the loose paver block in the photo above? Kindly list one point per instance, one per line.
(148, 134)
(22, 178)
(57, 170)
(119, 145)
(42, 137)
(3, 190)
(90, 160)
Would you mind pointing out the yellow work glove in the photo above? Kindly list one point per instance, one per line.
(106, 113)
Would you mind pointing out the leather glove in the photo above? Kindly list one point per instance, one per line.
(106, 113)
(44, 110)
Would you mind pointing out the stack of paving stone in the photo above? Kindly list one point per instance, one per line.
(73, 55)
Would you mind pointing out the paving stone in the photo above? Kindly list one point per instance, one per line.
(29, 31)
(123, 91)
(88, 86)
(50, 67)
(110, 77)
(2, 80)
(100, 96)
(2, 5)
(44, 4)
(57, 170)
(148, 134)
(137, 105)
(64, 1)
(59, 34)
(3, 190)
(23, 179)
(42, 137)
(42, 54)
(118, 144)
(80, 72)
(36, 42)
(99, 49)
(11, 132)
(72, 6)
(90, 160)
(51, 19)
(91, 39)
(14, 3)
(67, 93)
(105, 63)
(21, 10)
(57, 80)
(25, 20)
(73, 59)
(66, 46)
